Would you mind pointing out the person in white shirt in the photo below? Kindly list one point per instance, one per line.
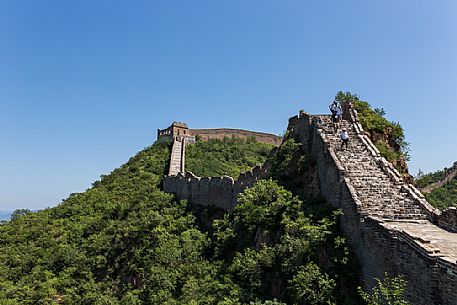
(339, 112)
(333, 107)
(344, 136)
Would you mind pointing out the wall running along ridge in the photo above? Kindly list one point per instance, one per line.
(387, 222)
(177, 157)
(179, 130)
(402, 235)
(221, 192)
(218, 191)
(221, 133)
(430, 188)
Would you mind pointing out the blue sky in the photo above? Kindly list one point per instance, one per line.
(85, 84)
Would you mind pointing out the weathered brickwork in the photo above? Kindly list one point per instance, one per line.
(221, 133)
(177, 157)
(388, 223)
(448, 219)
(180, 135)
(178, 130)
(218, 191)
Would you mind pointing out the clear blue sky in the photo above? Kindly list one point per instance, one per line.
(85, 84)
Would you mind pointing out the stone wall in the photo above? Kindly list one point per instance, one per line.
(381, 246)
(178, 130)
(221, 192)
(448, 219)
(398, 247)
(221, 133)
(451, 175)
(396, 178)
(378, 249)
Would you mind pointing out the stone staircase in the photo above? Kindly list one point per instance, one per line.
(389, 225)
(381, 197)
(176, 157)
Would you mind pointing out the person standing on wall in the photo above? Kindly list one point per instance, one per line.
(333, 109)
(339, 112)
(333, 106)
(344, 137)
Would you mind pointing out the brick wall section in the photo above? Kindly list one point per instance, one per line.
(178, 130)
(221, 133)
(382, 245)
(388, 235)
(218, 191)
(452, 173)
(448, 219)
(385, 166)
(177, 157)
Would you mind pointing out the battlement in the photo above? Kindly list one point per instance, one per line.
(179, 130)
(176, 130)
(387, 222)
(221, 192)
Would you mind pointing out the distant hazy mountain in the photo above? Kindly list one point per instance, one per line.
(5, 215)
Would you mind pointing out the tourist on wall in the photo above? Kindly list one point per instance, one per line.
(339, 112)
(344, 137)
(333, 106)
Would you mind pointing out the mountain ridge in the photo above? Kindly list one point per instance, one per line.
(440, 187)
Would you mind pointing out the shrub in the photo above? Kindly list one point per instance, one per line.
(374, 122)
(390, 291)
(227, 157)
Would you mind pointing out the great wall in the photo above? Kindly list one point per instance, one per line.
(219, 191)
(387, 222)
(450, 175)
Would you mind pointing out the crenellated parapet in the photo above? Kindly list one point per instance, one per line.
(221, 192)
(448, 219)
(395, 177)
(387, 222)
(178, 130)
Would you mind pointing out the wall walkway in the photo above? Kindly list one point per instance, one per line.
(388, 223)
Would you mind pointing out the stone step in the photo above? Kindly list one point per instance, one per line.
(175, 160)
(379, 194)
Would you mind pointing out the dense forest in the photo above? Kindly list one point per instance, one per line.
(227, 157)
(124, 241)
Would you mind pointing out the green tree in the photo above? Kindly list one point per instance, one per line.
(389, 291)
(227, 157)
(310, 287)
(387, 136)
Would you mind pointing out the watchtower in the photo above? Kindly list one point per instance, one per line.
(176, 131)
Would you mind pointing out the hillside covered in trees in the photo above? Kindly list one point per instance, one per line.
(443, 185)
(124, 241)
(227, 157)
